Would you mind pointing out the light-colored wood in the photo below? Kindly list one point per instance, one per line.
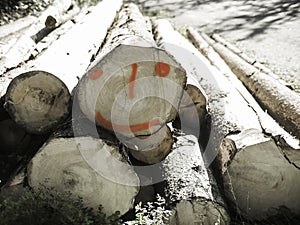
(188, 186)
(16, 26)
(132, 88)
(153, 148)
(281, 102)
(22, 49)
(10, 33)
(235, 120)
(260, 176)
(87, 167)
(247, 58)
(222, 98)
(38, 101)
(268, 124)
(73, 60)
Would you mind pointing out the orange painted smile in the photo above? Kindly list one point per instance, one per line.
(123, 128)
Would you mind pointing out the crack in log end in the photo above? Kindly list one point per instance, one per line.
(289, 153)
(226, 154)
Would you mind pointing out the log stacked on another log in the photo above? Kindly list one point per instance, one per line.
(48, 93)
(233, 119)
(280, 101)
(22, 49)
(135, 85)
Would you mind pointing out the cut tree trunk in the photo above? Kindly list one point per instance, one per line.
(22, 49)
(230, 116)
(247, 58)
(282, 103)
(268, 124)
(153, 148)
(38, 101)
(261, 177)
(16, 26)
(188, 190)
(88, 167)
(79, 58)
(10, 33)
(133, 88)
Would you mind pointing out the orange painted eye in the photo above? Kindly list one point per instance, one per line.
(162, 69)
(95, 74)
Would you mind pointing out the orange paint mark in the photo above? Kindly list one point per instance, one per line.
(132, 79)
(122, 128)
(96, 74)
(162, 69)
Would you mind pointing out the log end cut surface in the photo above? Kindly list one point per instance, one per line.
(89, 168)
(37, 101)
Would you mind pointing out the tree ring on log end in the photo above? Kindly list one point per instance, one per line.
(127, 90)
(37, 101)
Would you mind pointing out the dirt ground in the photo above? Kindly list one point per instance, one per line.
(266, 30)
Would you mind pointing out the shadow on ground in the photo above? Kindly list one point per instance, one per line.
(251, 15)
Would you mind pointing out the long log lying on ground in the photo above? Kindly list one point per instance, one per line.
(88, 167)
(268, 124)
(133, 88)
(281, 102)
(16, 26)
(10, 33)
(22, 49)
(189, 191)
(231, 115)
(73, 60)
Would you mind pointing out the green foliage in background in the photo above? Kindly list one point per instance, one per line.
(46, 206)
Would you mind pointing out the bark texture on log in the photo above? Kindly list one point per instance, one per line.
(133, 87)
(232, 117)
(22, 49)
(38, 101)
(281, 102)
(78, 46)
(87, 167)
(268, 124)
(16, 26)
(188, 186)
(247, 58)
(223, 99)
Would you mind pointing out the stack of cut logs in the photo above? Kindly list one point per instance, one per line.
(116, 108)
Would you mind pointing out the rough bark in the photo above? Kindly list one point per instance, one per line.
(232, 116)
(282, 103)
(38, 101)
(247, 58)
(22, 49)
(188, 186)
(10, 33)
(133, 87)
(16, 26)
(88, 167)
(268, 124)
